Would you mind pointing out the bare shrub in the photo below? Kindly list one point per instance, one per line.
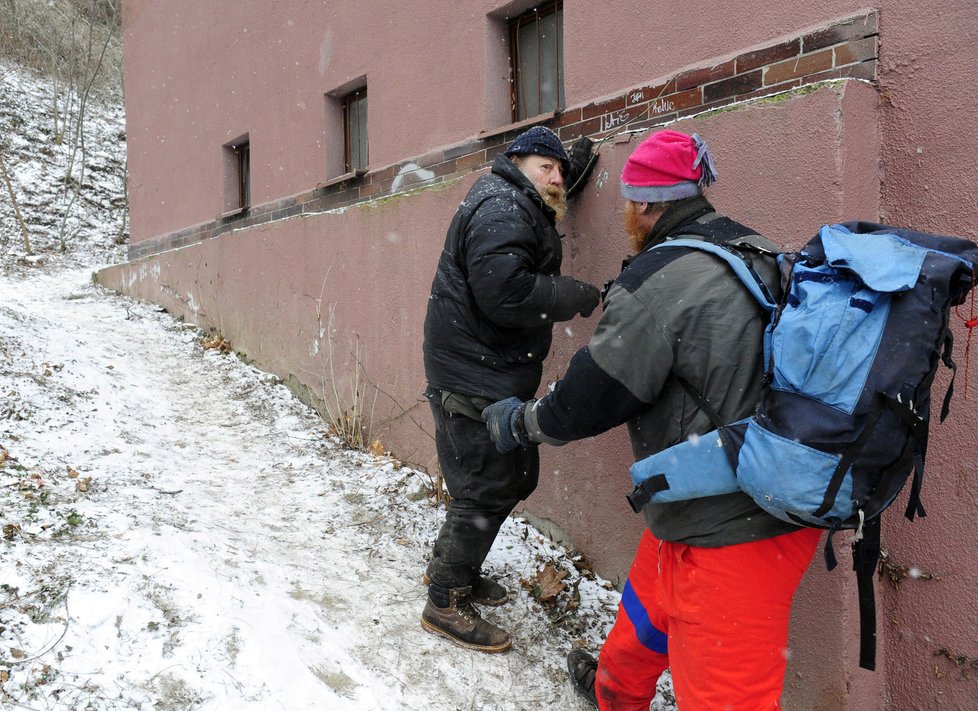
(62, 39)
(76, 46)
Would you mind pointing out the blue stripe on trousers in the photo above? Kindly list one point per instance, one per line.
(647, 633)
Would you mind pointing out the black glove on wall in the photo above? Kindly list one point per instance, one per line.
(582, 162)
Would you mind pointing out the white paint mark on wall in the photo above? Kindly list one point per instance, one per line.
(601, 179)
(325, 52)
(661, 106)
(409, 174)
(614, 120)
(321, 330)
(145, 272)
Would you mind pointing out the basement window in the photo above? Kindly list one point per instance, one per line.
(355, 131)
(537, 57)
(237, 176)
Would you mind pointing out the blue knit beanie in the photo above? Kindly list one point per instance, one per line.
(541, 141)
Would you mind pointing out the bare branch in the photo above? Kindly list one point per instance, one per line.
(13, 200)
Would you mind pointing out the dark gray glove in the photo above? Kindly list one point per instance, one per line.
(504, 420)
(582, 161)
(574, 297)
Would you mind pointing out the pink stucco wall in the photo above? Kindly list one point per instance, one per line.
(308, 296)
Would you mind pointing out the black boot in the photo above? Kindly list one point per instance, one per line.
(582, 667)
(484, 590)
(449, 613)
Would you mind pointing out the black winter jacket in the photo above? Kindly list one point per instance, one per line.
(497, 290)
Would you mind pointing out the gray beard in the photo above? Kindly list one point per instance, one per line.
(556, 198)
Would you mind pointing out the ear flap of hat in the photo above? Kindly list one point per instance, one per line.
(705, 159)
(668, 165)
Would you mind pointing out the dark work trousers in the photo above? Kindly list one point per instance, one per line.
(485, 487)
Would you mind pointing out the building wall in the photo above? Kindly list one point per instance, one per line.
(326, 284)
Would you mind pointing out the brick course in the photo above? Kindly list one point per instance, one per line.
(768, 55)
(844, 50)
(798, 67)
(698, 77)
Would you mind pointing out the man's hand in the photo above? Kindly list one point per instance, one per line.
(588, 298)
(504, 420)
(574, 297)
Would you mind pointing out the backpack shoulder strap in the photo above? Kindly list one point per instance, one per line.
(739, 263)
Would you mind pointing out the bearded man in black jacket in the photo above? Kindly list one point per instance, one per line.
(496, 294)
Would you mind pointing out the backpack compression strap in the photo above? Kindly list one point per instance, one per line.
(865, 556)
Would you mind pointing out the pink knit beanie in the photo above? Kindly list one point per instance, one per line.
(667, 165)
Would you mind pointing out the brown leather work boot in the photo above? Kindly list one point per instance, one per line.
(489, 592)
(484, 590)
(461, 623)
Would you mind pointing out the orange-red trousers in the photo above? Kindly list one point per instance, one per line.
(717, 617)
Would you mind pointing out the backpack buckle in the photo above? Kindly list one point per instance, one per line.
(643, 492)
(858, 535)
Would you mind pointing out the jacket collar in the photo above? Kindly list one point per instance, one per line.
(676, 215)
(507, 170)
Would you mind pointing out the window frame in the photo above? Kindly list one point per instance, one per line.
(518, 106)
(350, 105)
(242, 155)
(237, 176)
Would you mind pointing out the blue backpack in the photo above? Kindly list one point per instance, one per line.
(851, 350)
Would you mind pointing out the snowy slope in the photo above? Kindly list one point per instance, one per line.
(40, 149)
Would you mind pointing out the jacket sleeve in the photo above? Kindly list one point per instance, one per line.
(501, 261)
(617, 375)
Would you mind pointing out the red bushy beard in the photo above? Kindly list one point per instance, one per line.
(637, 234)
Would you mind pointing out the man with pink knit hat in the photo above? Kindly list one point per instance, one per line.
(678, 347)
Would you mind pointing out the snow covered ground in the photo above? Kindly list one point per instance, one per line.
(180, 533)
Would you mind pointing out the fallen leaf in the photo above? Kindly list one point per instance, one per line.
(82, 484)
(376, 448)
(582, 564)
(547, 583)
(217, 342)
(72, 473)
